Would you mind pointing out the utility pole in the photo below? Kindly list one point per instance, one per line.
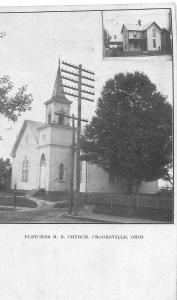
(72, 157)
(78, 80)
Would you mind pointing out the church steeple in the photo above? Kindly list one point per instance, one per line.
(58, 103)
(58, 91)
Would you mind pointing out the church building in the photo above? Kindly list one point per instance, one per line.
(42, 154)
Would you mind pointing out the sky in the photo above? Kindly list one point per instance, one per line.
(113, 21)
(31, 49)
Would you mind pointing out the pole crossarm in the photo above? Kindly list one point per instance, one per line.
(69, 72)
(76, 89)
(75, 95)
(75, 81)
(70, 117)
(75, 74)
(77, 67)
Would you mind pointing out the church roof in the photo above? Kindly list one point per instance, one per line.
(33, 126)
(58, 90)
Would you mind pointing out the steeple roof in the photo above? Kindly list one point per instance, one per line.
(58, 90)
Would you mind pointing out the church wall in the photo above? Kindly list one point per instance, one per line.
(61, 136)
(60, 155)
(98, 181)
(95, 179)
(28, 148)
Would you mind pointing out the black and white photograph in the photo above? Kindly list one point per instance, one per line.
(83, 140)
(137, 33)
(87, 139)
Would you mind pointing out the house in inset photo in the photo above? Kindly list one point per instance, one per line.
(141, 38)
(137, 35)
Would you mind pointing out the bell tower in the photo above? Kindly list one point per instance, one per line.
(55, 141)
(58, 103)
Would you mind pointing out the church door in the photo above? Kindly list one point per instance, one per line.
(42, 173)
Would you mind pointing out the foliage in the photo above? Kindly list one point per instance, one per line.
(5, 167)
(106, 38)
(131, 134)
(12, 107)
(5, 172)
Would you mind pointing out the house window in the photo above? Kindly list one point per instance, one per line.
(61, 172)
(49, 118)
(25, 169)
(134, 33)
(81, 171)
(154, 43)
(153, 32)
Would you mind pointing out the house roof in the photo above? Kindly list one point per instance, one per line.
(58, 90)
(136, 27)
(150, 24)
(33, 126)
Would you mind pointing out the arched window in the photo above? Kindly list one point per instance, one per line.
(25, 169)
(42, 160)
(61, 172)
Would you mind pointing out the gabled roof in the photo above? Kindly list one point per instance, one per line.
(58, 90)
(150, 24)
(33, 126)
(132, 27)
(136, 27)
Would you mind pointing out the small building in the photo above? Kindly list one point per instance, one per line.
(138, 38)
(42, 154)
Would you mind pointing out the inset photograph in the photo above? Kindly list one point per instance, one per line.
(137, 33)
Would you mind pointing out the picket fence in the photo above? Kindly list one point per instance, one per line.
(135, 200)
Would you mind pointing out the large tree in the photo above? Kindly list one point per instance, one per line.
(11, 106)
(131, 134)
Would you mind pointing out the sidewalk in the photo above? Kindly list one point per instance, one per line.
(88, 215)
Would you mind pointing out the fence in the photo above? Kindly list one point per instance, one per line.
(155, 201)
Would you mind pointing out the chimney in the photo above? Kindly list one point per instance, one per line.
(139, 22)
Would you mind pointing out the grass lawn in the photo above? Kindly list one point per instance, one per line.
(135, 212)
(51, 215)
(20, 201)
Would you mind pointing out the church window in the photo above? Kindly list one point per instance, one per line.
(61, 172)
(43, 160)
(25, 169)
(27, 139)
(49, 118)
